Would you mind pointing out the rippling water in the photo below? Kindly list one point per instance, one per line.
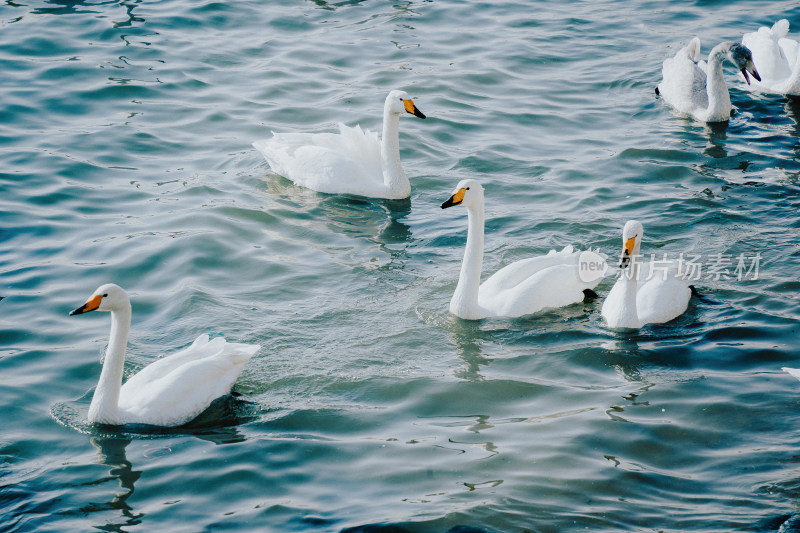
(125, 134)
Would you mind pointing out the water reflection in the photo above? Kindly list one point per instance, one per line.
(111, 452)
(375, 232)
(70, 7)
(465, 334)
(717, 133)
(375, 219)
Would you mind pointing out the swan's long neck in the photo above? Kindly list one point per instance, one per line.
(465, 298)
(394, 178)
(719, 100)
(629, 314)
(104, 408)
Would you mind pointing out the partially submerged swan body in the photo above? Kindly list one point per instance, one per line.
(644, 294)
(521, 288)
(696, 88)
(169, 392)
(352, 161)
(777, 57)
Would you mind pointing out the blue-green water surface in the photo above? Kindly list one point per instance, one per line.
(125, 156)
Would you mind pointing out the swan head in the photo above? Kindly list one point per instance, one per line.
(742, 57)
(632, 235)
(108, 297)
(399, 102)
(467, 193)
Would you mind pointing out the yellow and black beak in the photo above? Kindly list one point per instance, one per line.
(91, 305)
(411, 108)
(627, 252)
(456, 199)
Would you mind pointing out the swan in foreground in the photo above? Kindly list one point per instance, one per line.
(777, 57)
(693, 87)
(521, 288)
(662, 296)
(169, 392)
(352, 161)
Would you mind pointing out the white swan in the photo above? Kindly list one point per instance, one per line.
(792, 371)
(168, 392)
(777, 57)
(350, 162)
(662, 296)
(693, 87)
(521, 288)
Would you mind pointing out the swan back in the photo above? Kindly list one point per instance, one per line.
(177, 388)
(683, 83)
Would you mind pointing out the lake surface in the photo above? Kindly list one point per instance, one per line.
(126, 157)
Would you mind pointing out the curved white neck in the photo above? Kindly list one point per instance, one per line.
(394, 178)
(104, 408)
(629, 314)
(465, 298)
(719, 100)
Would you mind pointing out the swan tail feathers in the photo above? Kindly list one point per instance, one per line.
(780, 29)
(693, 49)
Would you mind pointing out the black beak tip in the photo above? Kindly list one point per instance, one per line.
(418, 113)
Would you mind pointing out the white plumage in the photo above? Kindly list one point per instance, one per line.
(353, 161)
(661, 296)
(172, 390)
(777, 58)
(697, 88)
(521, 288)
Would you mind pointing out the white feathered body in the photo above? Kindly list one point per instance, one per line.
(177, 388)
(661, 294)
(534, 284)
(776, 58)
(693, 87)
(337, 163)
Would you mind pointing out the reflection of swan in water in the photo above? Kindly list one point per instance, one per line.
(111, 452)
(354, 231)
(465, 336)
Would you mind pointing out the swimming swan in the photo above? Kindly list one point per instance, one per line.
(168, 392)
(777, 57)
(353, 161)
(693, 87)
(663, 295)
(521, 288)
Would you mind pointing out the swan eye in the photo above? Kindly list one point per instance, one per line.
(105, 295)
(467, 188)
